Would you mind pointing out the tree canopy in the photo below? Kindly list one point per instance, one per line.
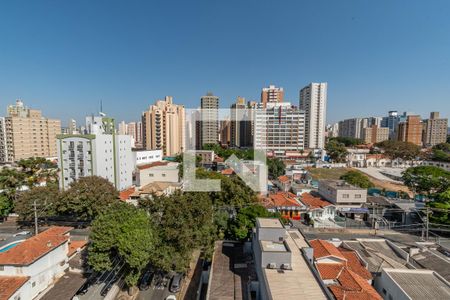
(47, 200)
(441, 152)
(275, 167)
(427, 179)
(398, 149)
(87, 197)
(358, 179)
(347, 141)
(336, 151)
(125, 232)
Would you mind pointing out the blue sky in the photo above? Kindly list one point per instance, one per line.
(64, 56)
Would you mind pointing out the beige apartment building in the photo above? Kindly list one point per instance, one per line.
(375, 134)
(272, 94)
(434, 130)
(28, 134)
(410, 130)
(163, 127)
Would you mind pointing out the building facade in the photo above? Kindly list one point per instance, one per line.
(163, 127)
(272, 94)
(410, 130)
(375, 134)
(313, 100)
(434, 130)
(101, 152)
(28, 134)
(209, 119)
(241, 124)
(279, 128)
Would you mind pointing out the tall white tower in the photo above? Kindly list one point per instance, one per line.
(313, 100)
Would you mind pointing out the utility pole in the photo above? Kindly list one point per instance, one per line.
(427, 224)
(36, 230)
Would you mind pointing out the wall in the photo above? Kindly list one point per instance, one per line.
(392, 289)
(167, 173)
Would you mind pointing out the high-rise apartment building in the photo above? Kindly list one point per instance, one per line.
(28, 133)
(225, 132)
(271, 94)
(434, 130)
(209, 122)
(375, 134)
(313, 100)
(163, 127)
(100, 152)
(241, 124)
(72, 128)
(410, 130)
(279, 128)
(133, 129)
(3, 146)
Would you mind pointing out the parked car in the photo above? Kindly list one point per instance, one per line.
(175, 285)
(146, 279)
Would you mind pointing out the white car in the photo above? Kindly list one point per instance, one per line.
(171, 297)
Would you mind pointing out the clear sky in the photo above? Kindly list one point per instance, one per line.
(376, 55)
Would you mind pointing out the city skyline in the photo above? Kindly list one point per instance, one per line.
(130, 54)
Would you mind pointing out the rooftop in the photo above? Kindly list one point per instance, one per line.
(10, 284)
(325, 249)
(314, 202)
(283, 179)
(35, 247)
(153, 165)
(434, 260)
(268, 223)
(298, 283)
(339, 185)
(420, 284)
(283, 199)
(377, 253)
(269, 246)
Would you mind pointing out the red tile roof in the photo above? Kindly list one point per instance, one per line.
(125, 194)
(354, 264)
(329, 270)
(353, 287)
(75, 245)
(283, 199)
(376, 156)
(10, 284)
(227, 172)
(313, 202)
(35, 247)
(324, 249)
(283, 179)
(154, 164)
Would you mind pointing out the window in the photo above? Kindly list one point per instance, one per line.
(357, 196)
(384, 292)
(150, 175)
(345, 196)
(2, 268)
(163, 175)
(33, 284)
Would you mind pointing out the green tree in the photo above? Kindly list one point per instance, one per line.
(336, 151)
(357, 178)
(125, 232)
(347, 141)
(46, 197)
(11, 180)
(426, 179)
(6, 206)
(38, 169)
(184, 222)
(441, 152)
(275, 167)
(399, 150)
(441, 205)
(241, 226)
(87, 197)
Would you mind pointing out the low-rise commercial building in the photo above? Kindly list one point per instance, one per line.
(282, 269)
(320, 212)
(342, 194)
(143, 157)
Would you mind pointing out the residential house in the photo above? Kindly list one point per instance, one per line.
(283, 183)
(318, 210)
(30, 266)
(343, 272)
(286, 204)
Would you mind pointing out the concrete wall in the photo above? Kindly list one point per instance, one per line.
(142, 157)
(270, 234)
